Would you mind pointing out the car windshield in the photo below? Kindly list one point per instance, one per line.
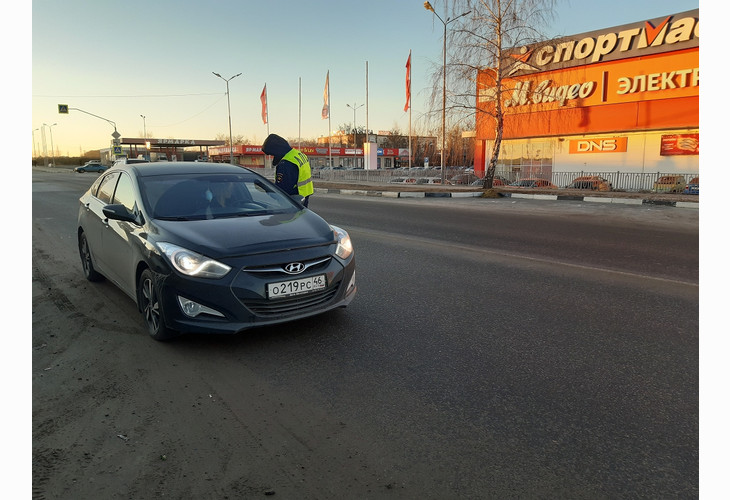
(211, 196)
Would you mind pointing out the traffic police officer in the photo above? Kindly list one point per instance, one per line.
(293, 173)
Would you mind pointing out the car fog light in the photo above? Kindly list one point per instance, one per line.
(193, 309)
(351, 284)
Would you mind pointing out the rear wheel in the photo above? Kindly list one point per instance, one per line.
(151, 307)
(86, 263)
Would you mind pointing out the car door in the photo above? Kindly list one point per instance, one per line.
(94, 221)
(118, 237)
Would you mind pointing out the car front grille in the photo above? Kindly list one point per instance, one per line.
(291, 305)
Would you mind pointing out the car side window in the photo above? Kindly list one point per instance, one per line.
(106, 188)
(124, 194)
(95, 186)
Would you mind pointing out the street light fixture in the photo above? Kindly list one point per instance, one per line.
(53, 153)
(228, 94)
(354, 126)
(427, 6)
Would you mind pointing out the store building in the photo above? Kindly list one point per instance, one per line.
(623, 99)
(319, 156)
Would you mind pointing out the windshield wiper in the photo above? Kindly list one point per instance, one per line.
(178, 218)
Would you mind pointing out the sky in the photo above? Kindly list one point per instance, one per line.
(120, 61)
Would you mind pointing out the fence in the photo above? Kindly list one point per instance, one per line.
(620, 181)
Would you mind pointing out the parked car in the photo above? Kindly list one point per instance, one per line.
(670, 184)
(460, 179)
(534, 183)
(428, 180)
(403, 180)
(497, 181)
(91, 166)
(693, 186)
(211, 248)
(591, 182)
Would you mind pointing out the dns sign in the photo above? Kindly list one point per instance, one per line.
(603, 145)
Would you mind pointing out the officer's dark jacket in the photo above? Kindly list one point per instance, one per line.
(287, 173)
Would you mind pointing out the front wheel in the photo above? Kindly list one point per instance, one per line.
(151, 307)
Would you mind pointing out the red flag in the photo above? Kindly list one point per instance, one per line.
(408, 82)
(326, 107)
(264, 111)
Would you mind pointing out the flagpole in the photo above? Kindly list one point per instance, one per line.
(410, 111)
(329, 120)
(265, 114)
(367, 113)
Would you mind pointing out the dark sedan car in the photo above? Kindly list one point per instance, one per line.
(211, 248)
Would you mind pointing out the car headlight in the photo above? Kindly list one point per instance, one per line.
(191, 263)
(344, 244)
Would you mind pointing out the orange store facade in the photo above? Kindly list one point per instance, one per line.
(621, 99)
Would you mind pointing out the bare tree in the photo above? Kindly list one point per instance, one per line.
(237, 139)
(484, 40)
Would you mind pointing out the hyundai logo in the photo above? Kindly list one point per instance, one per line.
(294, 268)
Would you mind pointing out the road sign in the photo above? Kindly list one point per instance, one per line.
(118, 151)
(63, 109)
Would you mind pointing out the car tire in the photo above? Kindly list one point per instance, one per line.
(86, 262)
(148, 297)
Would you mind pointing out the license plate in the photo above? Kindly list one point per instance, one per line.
(296, 287)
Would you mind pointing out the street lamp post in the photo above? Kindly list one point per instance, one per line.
(35, 150)
(354, 126)
(427, 6)
(144, 131)
(53, 153)
(228, 94)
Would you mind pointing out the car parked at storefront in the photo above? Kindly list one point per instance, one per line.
(670, 184)
(533, 183)
(428, 180)
(692, 187)
(403, 180)
(462, 179)
(497, 181)
(590, 182)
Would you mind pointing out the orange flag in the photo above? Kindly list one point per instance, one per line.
(326, 107)
(264, 111)
(408, 83)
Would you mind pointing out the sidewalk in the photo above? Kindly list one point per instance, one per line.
(396, 191)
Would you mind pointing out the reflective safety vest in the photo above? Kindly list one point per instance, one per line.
(304, 183)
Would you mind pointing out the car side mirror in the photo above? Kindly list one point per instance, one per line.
(119, 212)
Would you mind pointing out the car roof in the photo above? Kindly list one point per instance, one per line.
(182, 167)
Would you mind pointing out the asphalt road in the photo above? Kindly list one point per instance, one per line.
(496, 349)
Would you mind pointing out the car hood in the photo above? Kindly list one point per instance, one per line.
(238, 236)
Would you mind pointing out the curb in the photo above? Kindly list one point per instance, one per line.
(397, 194)
(478, 194)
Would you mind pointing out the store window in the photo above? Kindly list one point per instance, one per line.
(525, 159)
